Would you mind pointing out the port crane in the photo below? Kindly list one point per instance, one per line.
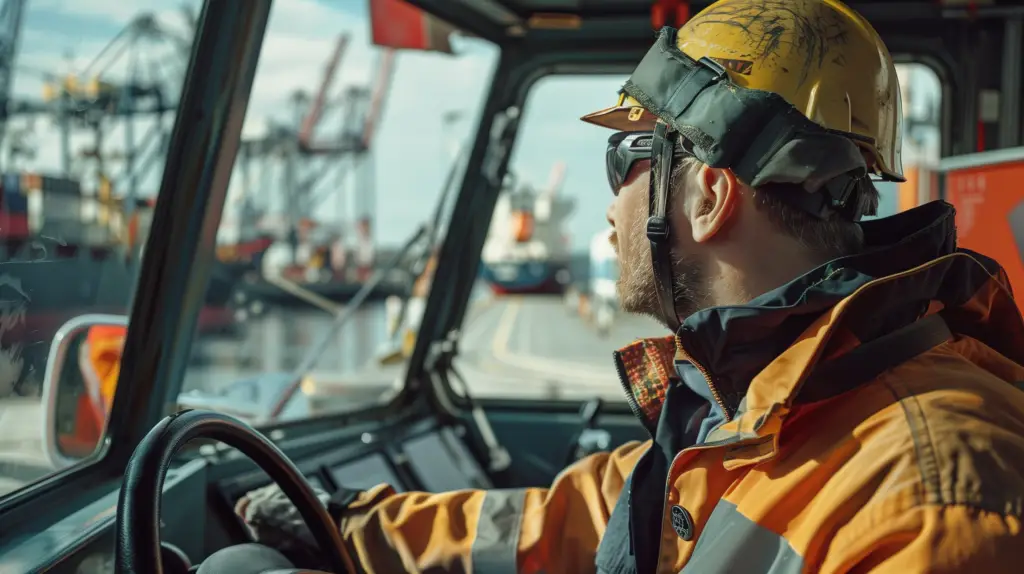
(128, 84)
(307, 158)
(95, 100)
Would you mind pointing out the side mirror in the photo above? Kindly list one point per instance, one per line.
(78, 386)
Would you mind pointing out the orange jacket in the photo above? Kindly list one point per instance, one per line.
(919, 468)
(100, 364)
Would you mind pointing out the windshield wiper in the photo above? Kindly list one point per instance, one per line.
(313, 355)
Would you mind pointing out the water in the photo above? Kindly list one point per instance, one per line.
(278, 342)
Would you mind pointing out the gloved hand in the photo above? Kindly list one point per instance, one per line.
(274, 521)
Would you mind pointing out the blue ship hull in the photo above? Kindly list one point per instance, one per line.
(525, 277)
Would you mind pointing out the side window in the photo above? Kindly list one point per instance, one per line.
(90, 96)
(546, 319)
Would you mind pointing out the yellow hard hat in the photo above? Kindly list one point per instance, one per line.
(822, 57)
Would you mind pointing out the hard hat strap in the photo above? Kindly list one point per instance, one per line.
(658, 228)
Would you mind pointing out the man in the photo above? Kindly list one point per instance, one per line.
(838, 396)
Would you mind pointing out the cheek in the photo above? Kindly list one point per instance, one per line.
(633, 211)
(633, 195)
(622, 214)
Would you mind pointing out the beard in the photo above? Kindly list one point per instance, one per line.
(637, 287)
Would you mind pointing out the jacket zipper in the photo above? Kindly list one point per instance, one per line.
(707, 378)
(635, 407)
(630, 397)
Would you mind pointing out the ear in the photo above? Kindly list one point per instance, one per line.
(717, 196)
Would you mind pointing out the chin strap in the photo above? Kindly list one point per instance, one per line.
(658, 231)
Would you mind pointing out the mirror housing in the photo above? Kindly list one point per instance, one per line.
(75, 412)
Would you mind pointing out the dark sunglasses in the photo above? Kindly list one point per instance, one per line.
(625, 149)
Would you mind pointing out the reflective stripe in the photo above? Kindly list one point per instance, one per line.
(497, 531)
(761, 551)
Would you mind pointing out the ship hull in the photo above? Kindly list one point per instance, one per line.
(525, 277)
(38, 297)
(336, 291)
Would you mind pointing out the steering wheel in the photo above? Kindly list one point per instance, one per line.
(138, 507)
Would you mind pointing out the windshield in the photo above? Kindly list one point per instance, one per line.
(90, 93)
(347, 149)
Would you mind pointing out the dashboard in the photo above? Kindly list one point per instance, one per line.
(442, 462)
(199, 496)
(430, 460)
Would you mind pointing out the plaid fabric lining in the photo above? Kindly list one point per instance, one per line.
(649, 365)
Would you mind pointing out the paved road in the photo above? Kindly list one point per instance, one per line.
(519, 343)
(520, 347)
(21, 443)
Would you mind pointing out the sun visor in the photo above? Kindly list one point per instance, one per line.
(760, 136)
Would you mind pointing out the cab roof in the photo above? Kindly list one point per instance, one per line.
(503, 21)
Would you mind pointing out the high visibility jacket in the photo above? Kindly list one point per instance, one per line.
(763, 458)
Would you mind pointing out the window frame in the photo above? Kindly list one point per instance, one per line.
(430, 365)
(410, 397)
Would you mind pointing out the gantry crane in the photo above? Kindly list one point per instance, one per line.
(361, 110)
(306, 159)
(127, 81)
(101, 96)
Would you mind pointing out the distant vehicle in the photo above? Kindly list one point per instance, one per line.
(604, 275)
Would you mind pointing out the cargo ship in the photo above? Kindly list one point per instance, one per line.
(320, 266)
(62, 254)
(235, 263)
(65, 253)
(527, 248)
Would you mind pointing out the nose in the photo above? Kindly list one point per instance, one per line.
(608, 214)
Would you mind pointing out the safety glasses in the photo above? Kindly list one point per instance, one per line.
(625, 149)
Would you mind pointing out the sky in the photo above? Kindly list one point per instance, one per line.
(412, 146)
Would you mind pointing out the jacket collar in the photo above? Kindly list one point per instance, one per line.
(734, 344)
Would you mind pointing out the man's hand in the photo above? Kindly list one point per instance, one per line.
(274, 521)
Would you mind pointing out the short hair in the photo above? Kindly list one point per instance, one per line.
(831, 238)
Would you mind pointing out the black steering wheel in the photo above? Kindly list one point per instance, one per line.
(138, 507)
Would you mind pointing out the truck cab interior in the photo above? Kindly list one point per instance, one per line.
(150, 490)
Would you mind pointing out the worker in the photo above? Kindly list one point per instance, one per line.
(838, 395)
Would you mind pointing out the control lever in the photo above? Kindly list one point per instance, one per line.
(498, 458)
(590, 439)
